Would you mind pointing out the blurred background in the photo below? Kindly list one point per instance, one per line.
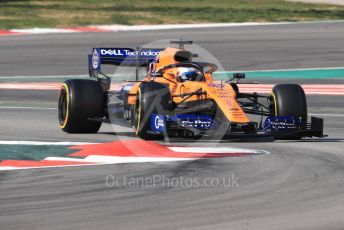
(72, 13)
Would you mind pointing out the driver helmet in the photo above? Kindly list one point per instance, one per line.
(189, 74)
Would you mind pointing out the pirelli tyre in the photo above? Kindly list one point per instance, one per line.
(79, 100)
(289, 100)
(152, 98)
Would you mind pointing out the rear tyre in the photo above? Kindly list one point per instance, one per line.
(79, 100)
(289, 100)
(152, 98)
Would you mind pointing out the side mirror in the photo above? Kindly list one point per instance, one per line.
(238, 75)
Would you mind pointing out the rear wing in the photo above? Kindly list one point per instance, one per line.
(120, 56)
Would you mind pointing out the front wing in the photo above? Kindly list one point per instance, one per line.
(203, 124)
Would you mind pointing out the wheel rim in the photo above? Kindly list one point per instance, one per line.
(273, 106)
(63, 104)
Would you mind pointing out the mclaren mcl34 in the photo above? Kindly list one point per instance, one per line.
(179, 97)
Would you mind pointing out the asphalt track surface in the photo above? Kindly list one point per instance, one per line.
(299, 185)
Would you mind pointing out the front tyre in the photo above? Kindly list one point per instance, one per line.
(289, 100)
(152, 98)
(78, 101)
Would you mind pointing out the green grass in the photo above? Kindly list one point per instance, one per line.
(71, 13)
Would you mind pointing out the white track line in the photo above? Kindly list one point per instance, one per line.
(332, 2)
(44, 31)
(43, 77)
(66, 159)
(287, 70)
(215, 150)
(123, 160)
(327, 114)
(7, 168)
(42, 143)
(118, 28)
(102, 159)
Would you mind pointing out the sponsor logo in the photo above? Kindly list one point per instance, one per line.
(158, 122)
(197, 123)
(150, 53)
(128, 52)
(112, 52)
(281, 123)
(193, 121)
(215, 85)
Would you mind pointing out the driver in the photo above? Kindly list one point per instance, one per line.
(189, 74)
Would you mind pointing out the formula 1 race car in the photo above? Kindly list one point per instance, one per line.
(179, 97)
